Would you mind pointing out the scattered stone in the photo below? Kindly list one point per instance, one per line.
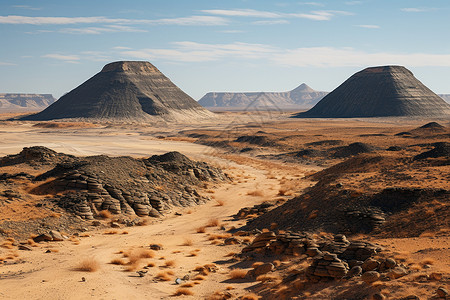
(56, 236)
(442, 292)
(96, 223)
(115, 225)
(435, 276)
(370, 264)
(141, 273)
(155, 247)
(370, 276)
(25, 247)
(263, 269)
(354, 271)
(43, 237)
(231, 241)
(378, 296)
(397, 272)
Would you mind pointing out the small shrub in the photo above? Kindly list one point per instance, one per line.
(163, 276)
(201, 229)
(250, 296)
(88, 265)
(255, 193)
(220, 203)
(118, 261)
(237, 274)
(199, 277)
(183, 291)
(187, 242)
(213, 223)
(169, 263)
(105, 214)
(187, 284)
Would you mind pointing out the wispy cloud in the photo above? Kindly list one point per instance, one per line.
(348, 57)
(242, 13)
(184, 21)
(417, 9)
(270, 22)
(99, 30)
(300, 57)
(320, 15)
(312, 3)
(61, 57)
(27, 7)
(197, 52)
(2, 63)
(353, 2)
(369, 26)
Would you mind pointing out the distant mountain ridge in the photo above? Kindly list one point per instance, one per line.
(301, 97)
(446, 97)
(17, 102)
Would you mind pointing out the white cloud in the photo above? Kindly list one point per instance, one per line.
(311, 3)
(27, 7)
(2, 63)
(197, 52)
(65, 58)
(347, 57)
(121, 48)
(353, 2)
(369, 26)
(271, 22)
(99, 30)
(417, 9)
(320, 15)
(301, 57)
(232, 31)
(184, 21)
(242, 13)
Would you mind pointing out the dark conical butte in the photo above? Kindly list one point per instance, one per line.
(380, 92)
(126, 91)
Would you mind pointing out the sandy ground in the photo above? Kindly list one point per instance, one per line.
(52, 276)
(40, 275)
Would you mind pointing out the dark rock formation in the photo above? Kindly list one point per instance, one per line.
(380, 92)
(125, 91)
(123, 185)
(301, 97)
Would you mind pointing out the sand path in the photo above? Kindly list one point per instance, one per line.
(52, 276)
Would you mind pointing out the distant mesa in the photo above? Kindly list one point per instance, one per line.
(301, 97)
(134, 91)
(17, 102)
(385, 91)
(446, 97)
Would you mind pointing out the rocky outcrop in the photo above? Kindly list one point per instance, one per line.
(380, 92)
(24, 102)
(133, 91)
(301, 97)
(122, 185)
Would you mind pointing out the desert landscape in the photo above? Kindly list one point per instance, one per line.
(124, 186)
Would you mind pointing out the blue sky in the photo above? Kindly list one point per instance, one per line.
(227, 45)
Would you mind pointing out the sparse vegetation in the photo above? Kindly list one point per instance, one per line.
(183, 291)
(237, 274)
(88, 265)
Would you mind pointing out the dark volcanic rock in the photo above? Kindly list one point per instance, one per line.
(353, 149)
(126, 91)
(380, 92)
(441, 149)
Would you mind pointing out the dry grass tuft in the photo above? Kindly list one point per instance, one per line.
(428, 261)
(187, 242)
(170, 263)
(188, 284)
(199, 277)
(125, 232)
(250, 296)
(118, 261)
(220, 203)
(268, 277)
(88, 265)
(183, 291)
(105, 214)
(213, 223)
(237, 274)
(201, 229)
(193, 253)
(110, 232)
(256, 193)
(163, 276)
(231, 254)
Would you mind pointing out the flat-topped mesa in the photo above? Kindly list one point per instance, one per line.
(131, 91)
(383, 91)
(138, 67)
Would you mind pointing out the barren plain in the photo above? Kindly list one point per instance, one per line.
(310, 209)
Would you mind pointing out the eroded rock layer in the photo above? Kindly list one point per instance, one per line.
(125, 90)
(380, 92)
